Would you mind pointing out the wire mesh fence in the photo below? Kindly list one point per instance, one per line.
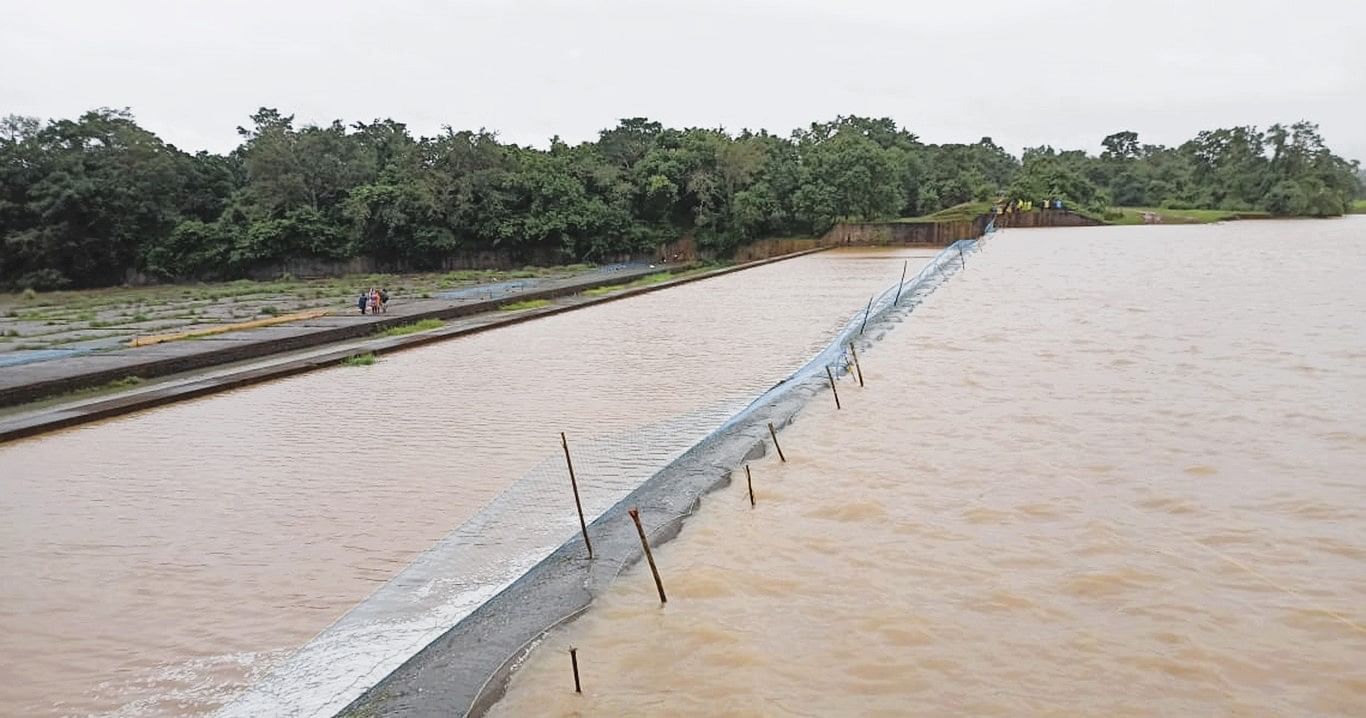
(525, 523)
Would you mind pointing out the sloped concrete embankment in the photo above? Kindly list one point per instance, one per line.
(465, 671)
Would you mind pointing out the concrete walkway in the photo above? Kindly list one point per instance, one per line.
(37, 380)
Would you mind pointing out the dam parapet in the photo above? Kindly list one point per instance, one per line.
(943, 233)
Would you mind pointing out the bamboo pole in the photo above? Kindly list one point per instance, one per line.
(866, 312)
(833, 388)
(650, 557)
(749, 481)
(776, 445)
(857, 368)
(574, 660)
(583, 526)
(902, 282)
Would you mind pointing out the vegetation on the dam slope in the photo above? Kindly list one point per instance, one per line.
(367, 359)
(524, 305)
(84, 201)
(965, 212)
(421, 325)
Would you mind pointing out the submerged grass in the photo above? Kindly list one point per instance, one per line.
(524, 305)
(415, 327)
(359, 360)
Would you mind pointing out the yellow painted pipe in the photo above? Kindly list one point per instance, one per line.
(224, 328)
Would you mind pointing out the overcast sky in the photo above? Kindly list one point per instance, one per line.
(1025, 72)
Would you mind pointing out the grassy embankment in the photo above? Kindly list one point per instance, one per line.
(1358, 207)
(965, 212)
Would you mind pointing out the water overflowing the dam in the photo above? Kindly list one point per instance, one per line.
(1115, 471)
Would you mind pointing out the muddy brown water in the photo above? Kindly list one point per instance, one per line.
(1112, 471)
(155, 564)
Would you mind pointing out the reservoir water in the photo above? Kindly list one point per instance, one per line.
(1111, 471)
(156, 564)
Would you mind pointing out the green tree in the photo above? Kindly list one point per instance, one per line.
(82, 195)
(846, 175)
(1048, 174)
(84, 202)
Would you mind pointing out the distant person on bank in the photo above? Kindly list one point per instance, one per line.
(362, 300)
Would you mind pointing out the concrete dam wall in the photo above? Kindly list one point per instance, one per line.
(942, 234)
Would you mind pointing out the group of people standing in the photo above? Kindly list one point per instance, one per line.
(375, 300)
(1027, 205)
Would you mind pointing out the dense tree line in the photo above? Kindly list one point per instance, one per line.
(1283, 170)
(84, 201)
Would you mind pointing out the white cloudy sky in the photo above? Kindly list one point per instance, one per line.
(1024, 72)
